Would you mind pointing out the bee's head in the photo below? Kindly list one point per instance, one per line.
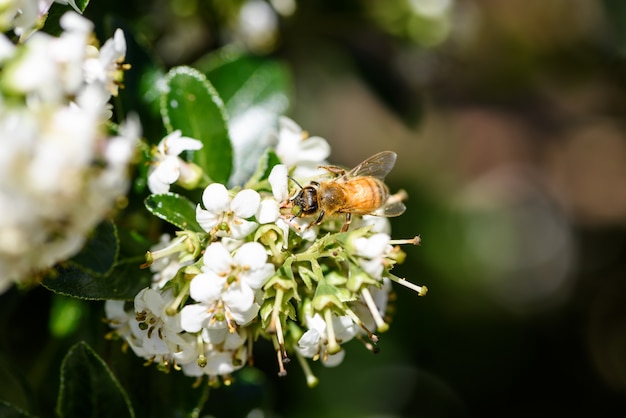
(305, 202)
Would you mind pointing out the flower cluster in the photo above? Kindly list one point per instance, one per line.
(61, 169)
(254, 269)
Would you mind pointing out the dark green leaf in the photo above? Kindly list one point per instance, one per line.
(88, 388)
(14, 390)
(175, 209)
(255, 91)
(192, 105)
(9, 411)
(52, 25)
(100, 252)
(124, 282)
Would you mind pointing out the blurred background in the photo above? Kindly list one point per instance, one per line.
(508, 121)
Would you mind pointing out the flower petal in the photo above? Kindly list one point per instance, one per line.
(280, 182)
(241, 228)
(245, 203)
(192, 317)
(251, 255)
(207, 220)
(215, 198)
(206, 288)
(217, 259)
(258, 277)
(268, 211)
(239, 297)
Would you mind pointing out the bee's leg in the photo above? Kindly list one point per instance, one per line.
(319, 218)
(346, 225)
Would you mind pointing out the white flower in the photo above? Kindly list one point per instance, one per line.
(164, 269)
(168, 167)
(226, 287)
(223, 357)
(226, 216)
(314, 341)
(297, 149)
(157, 331)
(104, 65)
(257, 25)
(372, 252)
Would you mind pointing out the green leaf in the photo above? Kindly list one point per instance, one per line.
(175, 209)
(88, 388)
(124, 282)
(10, 411)
(52, 24)
(192, 105)
(256, 91)
(100, 252)
(14, 390)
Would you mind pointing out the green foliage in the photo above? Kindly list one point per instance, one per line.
(88, 388)
(52, 24)
(255, 92)
(191, 104)
(100, 252)
(175, 209)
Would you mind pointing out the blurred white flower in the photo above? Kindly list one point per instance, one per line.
(296, 149)
(257, 26)
(167, 166)
(60, 171)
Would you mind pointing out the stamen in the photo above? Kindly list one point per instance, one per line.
(202, 360)
(416, 240)
(276, 326)
(177, 245)
(279, 356)
(371, 347)
(333, 345)
(173, 308)
(421, 290)
(311, 380)
(373, 337)
(381, 325)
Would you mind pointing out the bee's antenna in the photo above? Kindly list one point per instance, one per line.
(294, 180)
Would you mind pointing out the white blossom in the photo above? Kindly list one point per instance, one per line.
(296, 149)
(314, 341)
(226, 216)
(223, 355)
(226, 287)
(167, 166)
(371, 253)
(60, 170)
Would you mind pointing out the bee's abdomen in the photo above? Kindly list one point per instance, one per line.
(365, 195)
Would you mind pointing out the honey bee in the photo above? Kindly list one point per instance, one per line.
(360, 191)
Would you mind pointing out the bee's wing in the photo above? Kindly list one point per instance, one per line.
(378, 165)
(390, 209)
